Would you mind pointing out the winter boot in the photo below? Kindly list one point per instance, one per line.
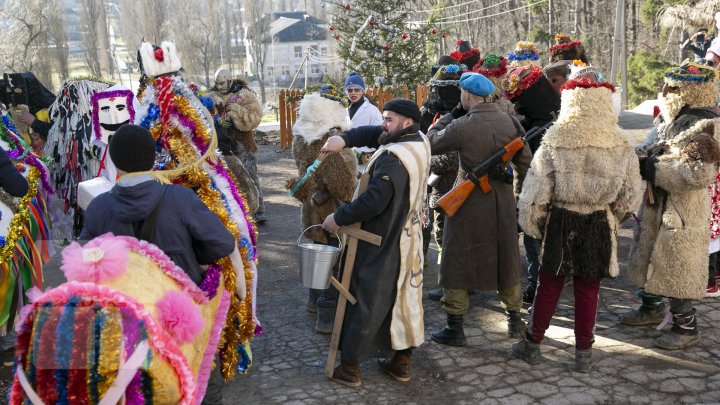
(584, 361)
(347, 374)
(325, 319)
(516, 326)
(311, 305)
(529, 294)
(527, 350)
(399, 366)
(684, 332)
(435, 295)
(644, 316)
(453, 334)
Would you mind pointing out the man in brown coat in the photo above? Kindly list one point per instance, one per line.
(480, 241)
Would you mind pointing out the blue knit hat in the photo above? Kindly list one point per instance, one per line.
(354, 80)
(476, 84)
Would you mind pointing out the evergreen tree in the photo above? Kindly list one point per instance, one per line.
(378, 40)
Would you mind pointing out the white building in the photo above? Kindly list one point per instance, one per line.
(296, 37)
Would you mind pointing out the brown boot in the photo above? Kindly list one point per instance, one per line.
(347, 374)
(399, 366)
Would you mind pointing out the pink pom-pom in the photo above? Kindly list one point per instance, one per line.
(180, 316)
(102, 259)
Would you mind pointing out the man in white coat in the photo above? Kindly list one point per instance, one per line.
(362, 112)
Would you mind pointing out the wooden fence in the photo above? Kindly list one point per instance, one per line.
(288, 103)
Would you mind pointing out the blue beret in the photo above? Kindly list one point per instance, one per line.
(476, 84)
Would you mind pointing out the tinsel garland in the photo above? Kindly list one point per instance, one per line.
(110, 345)
(45, 385)
(691, 73)
(186, 130)
(131, 335)
(77, 387)
(64, 350)
(491, 59)
(563, 46)
(9, 133)
(514, 85)
(19, 220)
(211, 281)
(585, 83)
(93, 345)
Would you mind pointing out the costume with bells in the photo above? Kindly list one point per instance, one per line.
(669, 259)
(330, 186)
(575, 212)
(240, 112)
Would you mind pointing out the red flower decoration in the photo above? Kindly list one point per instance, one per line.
(585, 83)
(159, 56)
(694, 70)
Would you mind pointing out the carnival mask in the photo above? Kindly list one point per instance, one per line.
(111, 110)
(223, 80)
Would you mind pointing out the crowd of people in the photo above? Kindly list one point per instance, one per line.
(503, 148)
(576, 179)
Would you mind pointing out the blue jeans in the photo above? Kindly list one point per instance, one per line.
(532, 254)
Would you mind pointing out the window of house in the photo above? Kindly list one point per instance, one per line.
(323, 51)
(298, 52)
(314, 69)
(325, 69)
(284, 71)
(270, 71)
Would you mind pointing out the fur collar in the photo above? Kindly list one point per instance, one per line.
(709, 126)
(317, 115)
(586, 119)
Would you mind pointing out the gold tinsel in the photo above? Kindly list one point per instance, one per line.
(110, 345)
(193, 176)
(20, 218)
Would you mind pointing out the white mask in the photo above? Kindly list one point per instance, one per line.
(112, 109)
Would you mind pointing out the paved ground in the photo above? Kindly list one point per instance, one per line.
(289, 357)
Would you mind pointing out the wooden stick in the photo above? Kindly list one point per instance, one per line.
(364, 236)
(345, 293)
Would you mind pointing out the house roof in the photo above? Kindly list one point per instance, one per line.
(297, 26)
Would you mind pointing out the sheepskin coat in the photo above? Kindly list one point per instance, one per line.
(670, 256)
(480, 242)
(244, 110)
(585, 177)
(334, 182)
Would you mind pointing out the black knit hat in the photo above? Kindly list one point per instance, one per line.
(132, 149)
(404, 107)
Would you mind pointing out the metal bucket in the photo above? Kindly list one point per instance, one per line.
(317, 262)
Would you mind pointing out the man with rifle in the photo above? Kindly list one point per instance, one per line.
(480, 239)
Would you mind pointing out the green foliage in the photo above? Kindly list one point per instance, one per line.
(540, 36)
(378, 52)
(645, 76)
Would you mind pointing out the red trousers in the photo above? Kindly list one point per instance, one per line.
(546, 299)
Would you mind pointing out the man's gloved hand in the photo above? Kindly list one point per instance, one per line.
(647, 167)
(225, 122)
(458, 111)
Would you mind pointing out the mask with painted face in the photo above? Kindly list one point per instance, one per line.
(223, 80)
(111, 109)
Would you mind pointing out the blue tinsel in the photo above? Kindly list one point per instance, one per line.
(452, 69)
(207, 101)
(524, 56)
(244, 243)
(152, 114)
(245, 360)
(94, 357)
(63, 348)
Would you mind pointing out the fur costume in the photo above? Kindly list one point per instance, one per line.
(563, 192)
(670, 257)
(334, 181)
(242, 107)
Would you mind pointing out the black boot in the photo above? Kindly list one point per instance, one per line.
(516, 326)
(683, 334)
(453, 334)
(311, 305)
(529, 294)
(325, 319)
(435, 295)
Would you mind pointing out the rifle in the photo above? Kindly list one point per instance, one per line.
(479, 176)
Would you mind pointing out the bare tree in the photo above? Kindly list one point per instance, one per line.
(91, 13)
(258, 25)
(24, 43)
(144, 19)
(57, 37)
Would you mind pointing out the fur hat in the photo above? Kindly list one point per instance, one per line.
(448, 75)
(317, 114)
(442, 61)
(466, 54)
(525, 53)
(519, 80)
(691, 85)
(155, 61)
(565, 48)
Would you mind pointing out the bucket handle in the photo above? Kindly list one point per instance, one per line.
(313, 226)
